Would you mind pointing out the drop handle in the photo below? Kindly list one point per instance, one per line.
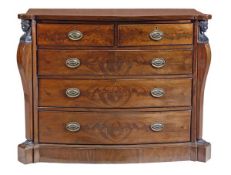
(156, 35)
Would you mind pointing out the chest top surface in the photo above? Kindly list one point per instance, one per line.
(114, 14)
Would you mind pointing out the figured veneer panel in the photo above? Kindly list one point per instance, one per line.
(138, 34)
(114, 128)
(93, 35)
(115, 93)
(115, 153)
(119, 63)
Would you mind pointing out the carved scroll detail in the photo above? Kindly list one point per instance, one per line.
(203, 26)
(26, 28)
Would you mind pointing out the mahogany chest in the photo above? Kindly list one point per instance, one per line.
(113, 85)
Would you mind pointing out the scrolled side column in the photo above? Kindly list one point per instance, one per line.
(24, 60)
(203, 63)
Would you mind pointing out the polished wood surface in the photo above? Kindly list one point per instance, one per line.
(93, 35)
(194, 83)
(26, 152)
(115, 108)
(154, 109)
(114, 154)
(35, 81)
(24, 60)
(120, 63)
(114, 14)
(204, 55)
(138, 34)
(120, 93)
(203, 150)
(114, 128)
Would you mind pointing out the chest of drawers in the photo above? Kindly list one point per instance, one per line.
(113, 85)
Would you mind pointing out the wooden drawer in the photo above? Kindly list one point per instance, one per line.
(59, 34)
(115, 93)
(139, 34)
(102, 63)
(114, 128)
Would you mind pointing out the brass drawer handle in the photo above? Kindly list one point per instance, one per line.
(156, 35)
(157, 127)
(73, 126)
(157, 92)
(72, 92)
(72, 62)
(75, 35)
(158, 62)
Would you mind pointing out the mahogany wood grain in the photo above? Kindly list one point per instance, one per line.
(107, 63)
(93, 35)
(114, 154)
(116, 47)
(24, 60)
(203, 150)
(102, 77)
(194, 83)
(183, 21)
(115, 107)
(26, 153)
(114, 128)
(204, 59)
(115, 93)
(114, 14)
(35, 80)
(138, 34)
(32, 153)
(155, 109)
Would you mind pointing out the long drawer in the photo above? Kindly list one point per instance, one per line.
(118, 63)
(115, 93)
(114, 128)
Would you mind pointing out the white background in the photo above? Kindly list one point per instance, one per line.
(217, 93)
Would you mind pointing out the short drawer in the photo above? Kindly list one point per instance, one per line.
(155, 34)
(106, 63)
(75, 34)
(115, 93)
(114, 127)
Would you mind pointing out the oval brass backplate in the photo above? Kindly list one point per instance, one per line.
(157, 92)
(72, 92)
(72, 62)
(75, 35)
(156, 127)
(73, 126)
(158, 62)
(156, 35)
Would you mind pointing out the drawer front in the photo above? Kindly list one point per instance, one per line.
(155, 34)
(101, 63)
(75, 34)
(114, 128)
(120, 93)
